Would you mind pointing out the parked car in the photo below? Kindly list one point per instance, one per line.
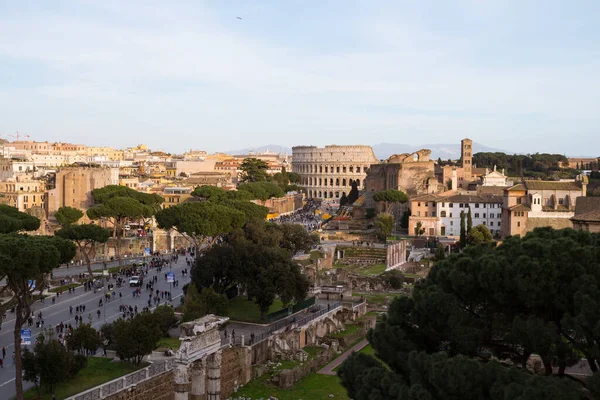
(135, 281)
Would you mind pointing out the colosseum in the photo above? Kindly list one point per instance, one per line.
(328, 172)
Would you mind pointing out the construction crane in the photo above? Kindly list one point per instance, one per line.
(19, 136)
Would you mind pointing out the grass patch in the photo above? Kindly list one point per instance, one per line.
(64, 288)
(315, 254)
(240, 309)
(168, 342)
(363, 270)
(98, 371)
(313, 387)
(368, 350)
(349, 329)
(312, 351)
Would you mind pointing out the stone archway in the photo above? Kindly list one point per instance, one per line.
(198, 372)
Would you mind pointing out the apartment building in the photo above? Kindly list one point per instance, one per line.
(23, 193)
(440, 215)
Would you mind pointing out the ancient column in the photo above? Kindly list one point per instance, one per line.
(182, 384)
(198, 378)
(213, 367)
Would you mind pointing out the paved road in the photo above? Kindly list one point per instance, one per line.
(77, 269)
(54, 314)
(328, 369)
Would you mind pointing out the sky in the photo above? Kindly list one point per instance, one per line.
(520, 75)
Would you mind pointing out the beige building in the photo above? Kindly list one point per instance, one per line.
(533, 204)
(23, 193)
(74, 186)
(175, 195)
(328, 172)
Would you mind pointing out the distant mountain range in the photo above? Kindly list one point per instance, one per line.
(271, 148)
(385, 150)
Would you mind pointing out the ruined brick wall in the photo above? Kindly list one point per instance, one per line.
(236, 369)
(158, 388)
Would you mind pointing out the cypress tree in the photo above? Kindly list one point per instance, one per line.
(469, 222)
(463, 232)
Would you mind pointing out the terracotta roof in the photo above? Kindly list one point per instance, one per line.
(518, 186)
(491, 190)
(585, 205)
(546, 185)
(427, 197)
(465, 198)
(592, 216)
(559, 208)
(520, 207)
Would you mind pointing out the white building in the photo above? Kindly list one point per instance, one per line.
(440, 215)
(484, 211)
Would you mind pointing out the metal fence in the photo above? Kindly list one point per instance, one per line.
(126, 381)
(295, 322)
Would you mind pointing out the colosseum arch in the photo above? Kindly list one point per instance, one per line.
(341, 165)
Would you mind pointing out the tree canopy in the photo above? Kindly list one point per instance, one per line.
(12, 220)
(24, 260)
(479, 234)
(67, 215)
(533, 295)
(254, 170)
(86, 237)
(539, 165)
(353, 194)
(202, 222)
(385, 225)
(259, 258)
(390, 197)
(118, 205)
(262, 190)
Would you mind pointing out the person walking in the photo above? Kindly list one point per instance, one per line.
(3, 352)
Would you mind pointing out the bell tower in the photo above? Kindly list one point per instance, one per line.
(466, 154)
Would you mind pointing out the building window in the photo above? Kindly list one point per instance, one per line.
(476, 205)
(492, 223)
(451, 205)
(418, 213)
(498, 223)
(450, 215)
(561, 201)
(443, 214)
(483, 215)
(433, 213)
(476, 215)
(460, 205)
(426, 214)
(451, 223)
(518, 200)
(419, 204)
(426, 204)
(518, 223)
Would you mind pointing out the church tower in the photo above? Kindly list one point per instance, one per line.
(466, 154)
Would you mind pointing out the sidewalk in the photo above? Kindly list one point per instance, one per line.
(328, 369)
